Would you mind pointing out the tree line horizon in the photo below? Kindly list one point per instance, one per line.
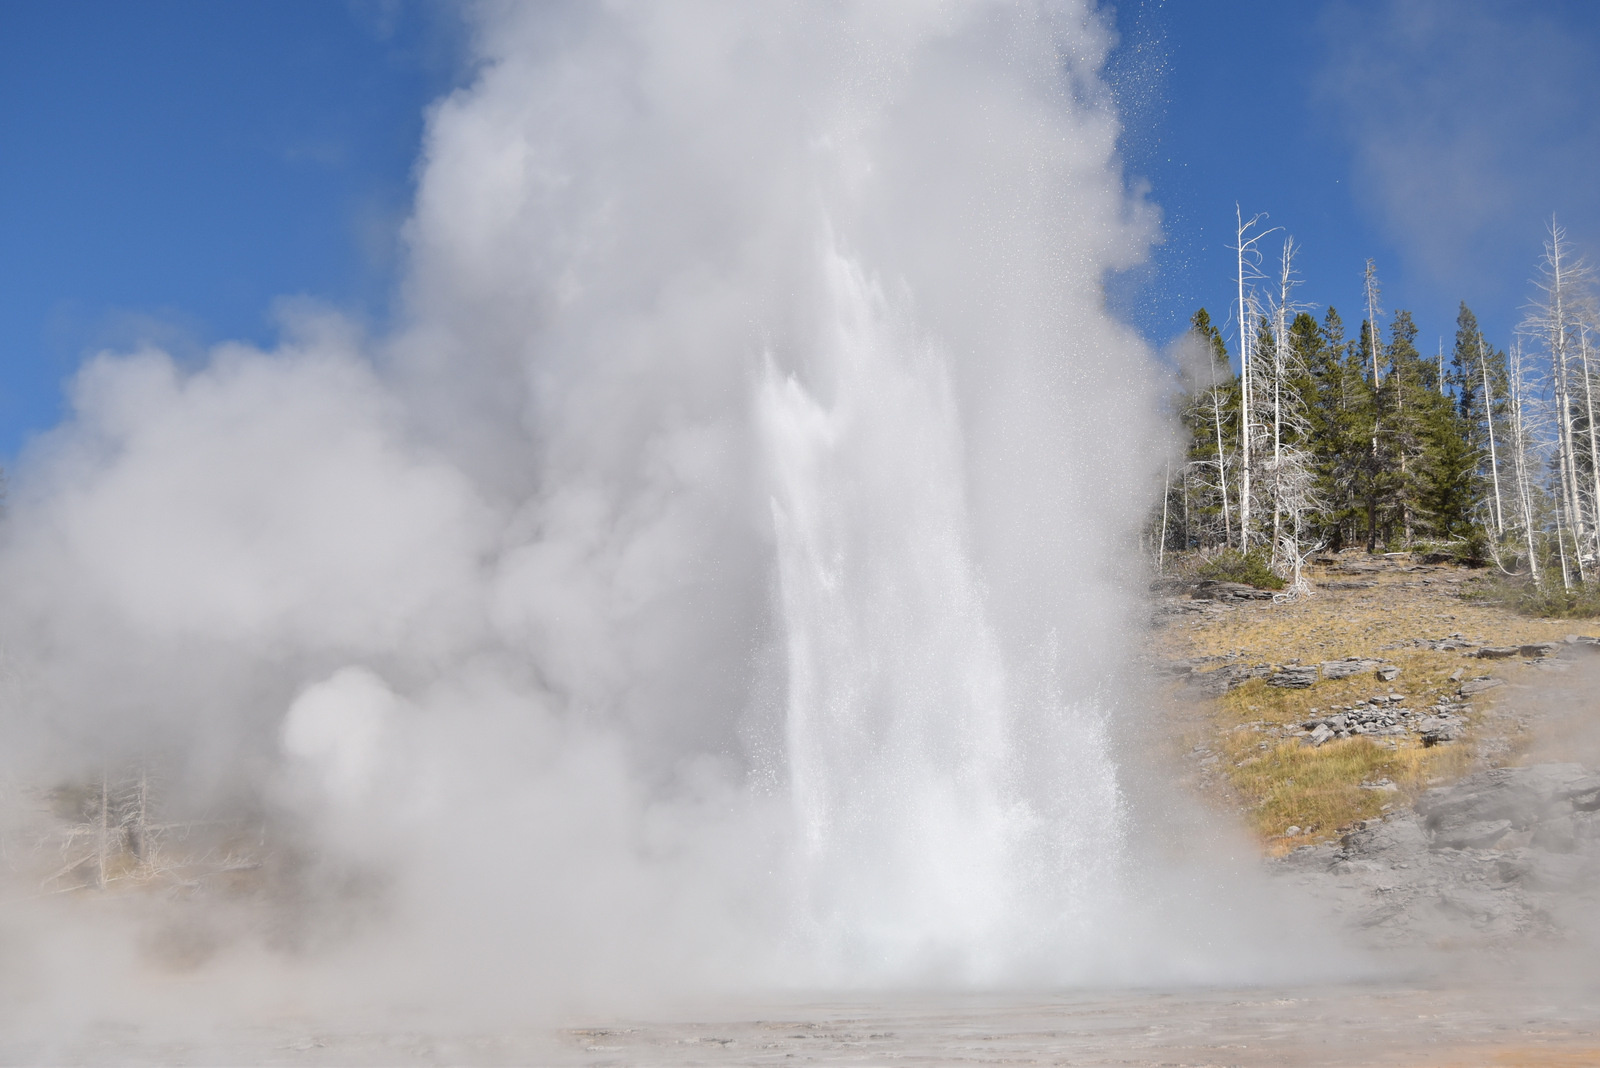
(1322, 441)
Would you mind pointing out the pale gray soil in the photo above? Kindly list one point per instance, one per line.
(1374, 1024)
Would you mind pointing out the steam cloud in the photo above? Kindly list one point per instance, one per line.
(713, 581)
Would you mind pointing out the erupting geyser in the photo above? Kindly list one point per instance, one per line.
(709, 581)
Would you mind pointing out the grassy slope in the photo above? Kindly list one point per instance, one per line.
(1245, 740)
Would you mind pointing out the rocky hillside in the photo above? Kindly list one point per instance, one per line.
(1426, 761)
(1313, 714)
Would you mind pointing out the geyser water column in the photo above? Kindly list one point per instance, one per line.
(923, 847)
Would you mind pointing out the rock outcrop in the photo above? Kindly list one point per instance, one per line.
(1501, 856)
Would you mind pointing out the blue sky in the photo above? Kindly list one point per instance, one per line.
(170, 171)
(1434, 136)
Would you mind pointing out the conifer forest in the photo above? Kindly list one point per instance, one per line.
(1337, 431)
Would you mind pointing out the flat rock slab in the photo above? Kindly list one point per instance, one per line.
(1341, 669)
(1213, 590)
(1293, 678)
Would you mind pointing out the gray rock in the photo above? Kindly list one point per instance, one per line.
(1450, 644)
(1480, 685)
(1546, 781)
(1520, 795)
(1392, 838)
(1491, 652)
(1339, 669)
(1211, 589)
(1319, 735)
(1388, 673)
(1501, 857)
(1220, 681)
(1473, 835)
(1538, 648)
(1546, 871)
(1584, 793)
(1559, 835)
(1438, 730)
(1482, 906)
(1293, 678)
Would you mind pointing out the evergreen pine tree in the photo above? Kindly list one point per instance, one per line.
(1210, 415)
(1338, 438)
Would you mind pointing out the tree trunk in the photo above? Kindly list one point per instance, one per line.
(1494, 465)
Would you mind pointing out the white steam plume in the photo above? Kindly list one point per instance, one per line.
(713, 582)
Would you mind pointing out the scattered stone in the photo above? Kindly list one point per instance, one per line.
(1348, 585)
(1378, 717)
(1492, 652)
(1388, 673)
(1445, 645)
(1479, 685)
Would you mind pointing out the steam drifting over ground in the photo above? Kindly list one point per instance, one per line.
(712, 583)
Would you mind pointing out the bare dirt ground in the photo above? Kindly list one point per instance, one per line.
(1371, 1024)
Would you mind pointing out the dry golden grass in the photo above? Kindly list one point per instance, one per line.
(1280, 783)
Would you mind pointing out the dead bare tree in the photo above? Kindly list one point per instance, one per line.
(1551, 322)
(1289, 474)
(1375, 348)
(1594, 434)
(1494, 461)
(1521, 443)
(1248, 258)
